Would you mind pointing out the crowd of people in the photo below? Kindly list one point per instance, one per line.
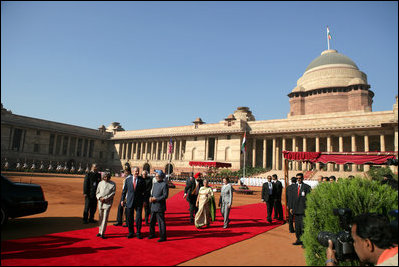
(372, 242)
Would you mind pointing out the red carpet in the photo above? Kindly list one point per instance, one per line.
(185, 242)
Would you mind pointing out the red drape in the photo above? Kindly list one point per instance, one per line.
(210, 164)
(341, 158)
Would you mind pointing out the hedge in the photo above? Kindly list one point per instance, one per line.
(358, 194)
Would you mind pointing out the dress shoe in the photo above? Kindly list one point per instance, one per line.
(130, 235)
(297, 243)
(85, 222)
(225, 226)
(92, 221)
(118, 224)
(161, 240)
(139, 236)
(98, 234)
(292, 231)
(150, 237)
(103, 237)
(269, 221)
(125, 225)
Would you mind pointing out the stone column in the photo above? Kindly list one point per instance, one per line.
(283, 149)
(253, 152)
(382, 142)
(341, 149)
(274, 154)
(132, 152)
(152, 151)
(174, 150)
(162, 152)
(264, 152)
(317, 142)
(366, 149)
(329, 165)
(353, 142)
(141, 150)
(62, 144)
(304, 148)
(215, 151)
(206, 149)
(294, 149)
(157, 149)
(277, 155)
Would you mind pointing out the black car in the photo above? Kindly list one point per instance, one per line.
(20, 199)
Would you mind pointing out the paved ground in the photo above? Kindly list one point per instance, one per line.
(65, 210)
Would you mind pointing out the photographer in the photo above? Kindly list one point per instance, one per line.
(372, 240)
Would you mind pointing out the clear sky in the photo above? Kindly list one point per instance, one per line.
(163, 64)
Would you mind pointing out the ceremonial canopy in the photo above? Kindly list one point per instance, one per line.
(214, 164)
(377, 158)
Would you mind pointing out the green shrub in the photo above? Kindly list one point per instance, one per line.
(377, 173)
(360, 195)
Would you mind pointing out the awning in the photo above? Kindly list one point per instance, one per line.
(210, 164)
(378, 158)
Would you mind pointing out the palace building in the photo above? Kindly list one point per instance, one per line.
(330, 111)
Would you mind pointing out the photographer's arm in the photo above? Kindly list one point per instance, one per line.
(330, 253)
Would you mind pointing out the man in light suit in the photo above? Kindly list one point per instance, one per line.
(134, 192)
(225, 201)
(158, 197)
(105, 194)
(299, 199)
(268, 189)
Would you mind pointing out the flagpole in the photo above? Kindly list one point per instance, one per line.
(328, 40)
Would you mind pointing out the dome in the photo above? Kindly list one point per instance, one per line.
(328, 57)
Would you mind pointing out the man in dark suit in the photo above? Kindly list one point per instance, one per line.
(134, 192)
(278, 208)
(267, 196)
(158, 197)
(299, 205)
(289, 199)
(122, 208)
(193, 184)
(147, 193)
(90, 184)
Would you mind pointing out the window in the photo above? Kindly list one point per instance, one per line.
(36, 148)
(228, 137)
(65, 145)
(91, 148)
(58, 145)
(51, 144)
(37, 132)
(16, 141)
(79, 151)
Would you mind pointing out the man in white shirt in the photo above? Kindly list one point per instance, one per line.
(105, 194)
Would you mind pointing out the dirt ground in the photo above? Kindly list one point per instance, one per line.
(64, 194)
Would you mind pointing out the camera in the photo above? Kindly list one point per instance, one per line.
(342, 241)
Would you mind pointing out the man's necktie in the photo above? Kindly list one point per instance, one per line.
(134, 183)
(299, 189)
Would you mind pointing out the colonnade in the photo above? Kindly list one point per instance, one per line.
(151, 150)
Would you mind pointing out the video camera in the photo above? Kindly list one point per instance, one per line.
(342, 241)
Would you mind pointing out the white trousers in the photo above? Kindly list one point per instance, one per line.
(103, 219)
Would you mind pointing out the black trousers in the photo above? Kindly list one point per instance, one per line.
(291, 222)
(192, 201)
(269, 206)
(298, 226)
(90, 208)
(119, 215)
(160, 218)
(130, 218)
(147, 209)
(278, 209)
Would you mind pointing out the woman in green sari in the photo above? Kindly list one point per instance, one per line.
(206, 206)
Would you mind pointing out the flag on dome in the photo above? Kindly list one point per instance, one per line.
(328, 33)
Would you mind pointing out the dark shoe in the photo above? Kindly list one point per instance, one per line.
(103, 237)
(297, 243)
(117, 224)
(161, 240)
(150, 237)
(292, 231)
(98, 234)
(139, 236)
(125, 225)
(85, 222)
(130, 235)
(225, 226)
(92, 221)
(269, 221)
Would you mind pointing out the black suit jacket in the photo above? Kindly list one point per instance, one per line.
(288, 195)
(190, 187)
(299, 202)
(135, 197)
(278, 190)
(90, 184)
(265, 192)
